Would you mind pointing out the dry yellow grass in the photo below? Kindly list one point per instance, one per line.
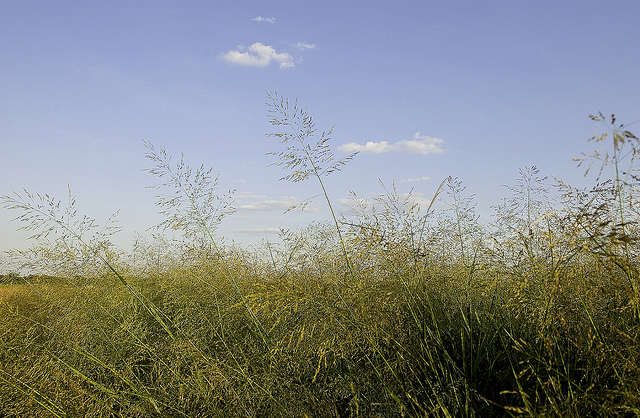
(12, 289)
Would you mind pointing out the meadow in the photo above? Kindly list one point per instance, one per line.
(393, 310)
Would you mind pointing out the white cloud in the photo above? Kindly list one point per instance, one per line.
(265, 19)
(373, 147)
(405, 199)
(420, 144)
(415, 179)
(260, 203)
(259, 230)
(416, 197)
(303, 45)
(259, 55)
(348, 204)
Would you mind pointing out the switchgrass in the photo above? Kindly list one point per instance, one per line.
(393, 310)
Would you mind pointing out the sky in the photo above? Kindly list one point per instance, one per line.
(422, 89)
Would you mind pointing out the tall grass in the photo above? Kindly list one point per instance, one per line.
(392, 310)
(300, 158)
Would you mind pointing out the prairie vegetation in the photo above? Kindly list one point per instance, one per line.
(393, 310)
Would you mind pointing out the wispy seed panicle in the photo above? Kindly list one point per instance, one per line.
(192, 203)
(299, 157)
(46, 215)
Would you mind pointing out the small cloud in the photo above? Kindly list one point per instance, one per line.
(373, 147)
(420, 144)
(356, 204)
(416, 198)
(259, 230)
(415, 179)
(408, 199)
(260, 203)
(265, 19)
(259, 55)
(303, 45)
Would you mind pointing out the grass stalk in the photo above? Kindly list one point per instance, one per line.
(301, 158)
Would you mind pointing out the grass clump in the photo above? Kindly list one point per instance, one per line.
(394, 310)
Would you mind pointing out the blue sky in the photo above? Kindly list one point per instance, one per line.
(423, 89)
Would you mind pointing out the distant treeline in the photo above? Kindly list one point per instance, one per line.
(15, 278)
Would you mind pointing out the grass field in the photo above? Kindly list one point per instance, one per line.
(397, 311)
(11, 290)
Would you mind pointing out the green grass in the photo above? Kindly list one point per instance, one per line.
(395, 311)
(411, 344)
